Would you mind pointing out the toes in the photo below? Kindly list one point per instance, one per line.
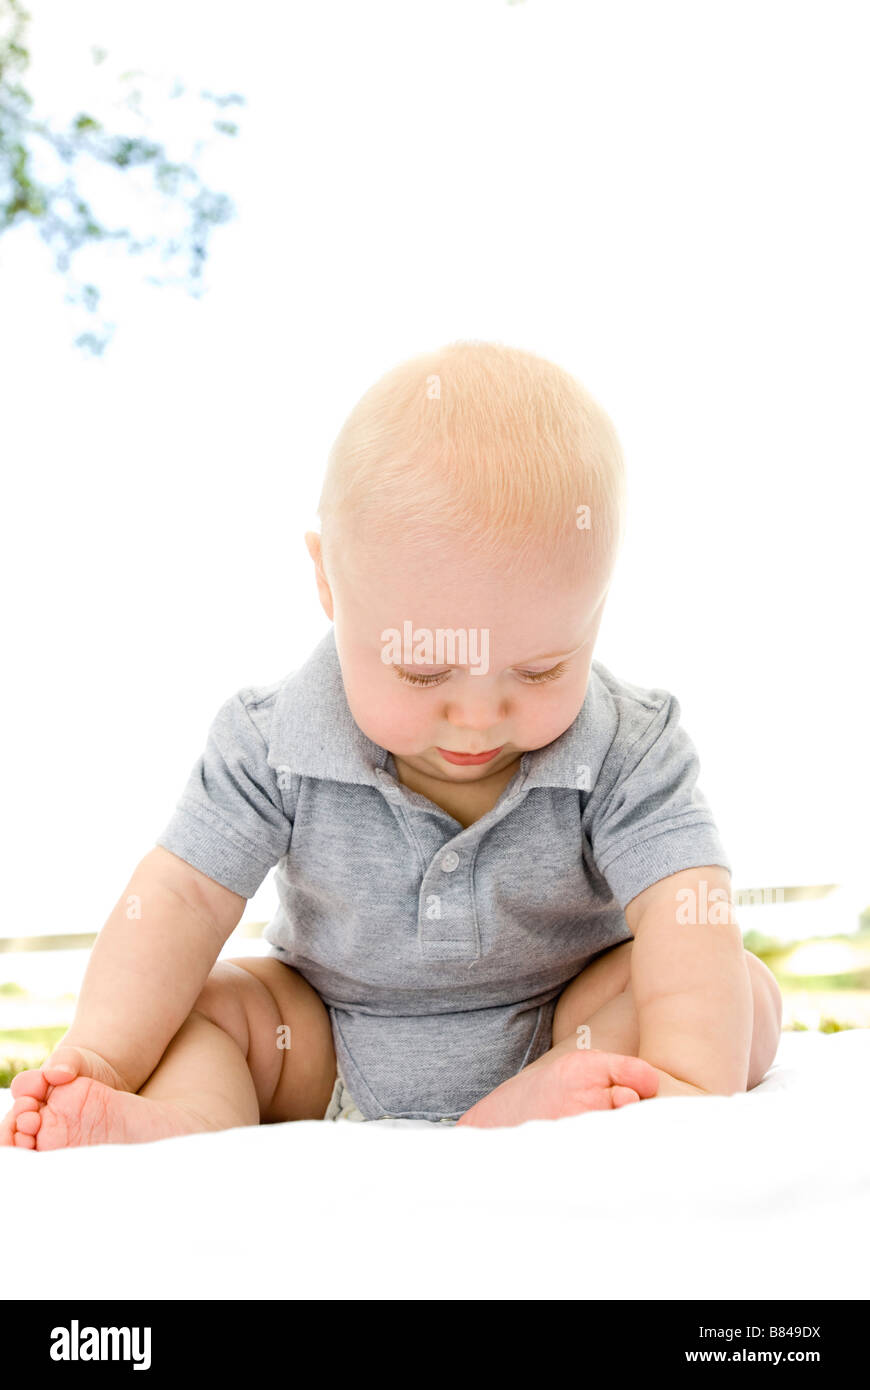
(9, 1126)
(29, 1083)
(25, 1141)
(28, 1122)
(24, 1103)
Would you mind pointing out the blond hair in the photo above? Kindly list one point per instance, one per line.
(485, 445)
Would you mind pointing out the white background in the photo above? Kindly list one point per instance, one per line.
(669, 199)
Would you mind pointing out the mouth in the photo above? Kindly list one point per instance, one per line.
(469, 759)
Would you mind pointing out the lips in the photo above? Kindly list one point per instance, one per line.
(469, 759)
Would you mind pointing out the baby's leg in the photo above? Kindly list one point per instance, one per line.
(601, 998)
(607, 1073)
(281, 1028)
(257, 1047)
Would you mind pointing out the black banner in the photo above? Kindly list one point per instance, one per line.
(157, 1338)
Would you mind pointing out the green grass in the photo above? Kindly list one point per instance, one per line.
(769, 948)
(28, 1047)
(826, 1025)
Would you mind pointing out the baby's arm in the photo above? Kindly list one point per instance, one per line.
(146, 970)
(691, 985)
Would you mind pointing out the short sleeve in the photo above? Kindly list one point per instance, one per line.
(230, 821)
(653, 820)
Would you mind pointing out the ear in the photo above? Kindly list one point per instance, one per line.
(315, 550)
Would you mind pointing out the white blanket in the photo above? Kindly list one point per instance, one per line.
(763, 1195)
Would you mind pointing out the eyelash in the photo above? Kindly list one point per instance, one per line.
(528, 677)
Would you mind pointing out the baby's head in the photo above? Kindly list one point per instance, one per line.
(471, 516)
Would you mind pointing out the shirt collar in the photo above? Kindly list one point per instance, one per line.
(314, 733)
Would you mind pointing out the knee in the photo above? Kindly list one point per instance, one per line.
(603, 979)
(221, 1000)
(766, 1019)
(765, 990)
(220, 979)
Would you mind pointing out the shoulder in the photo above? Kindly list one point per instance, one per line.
(258, 705)
(637, 702)
(626, 713)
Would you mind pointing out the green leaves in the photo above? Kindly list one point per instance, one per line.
(181, 211)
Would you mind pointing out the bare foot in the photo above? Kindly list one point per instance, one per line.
(565, 1083)
(85, 1111)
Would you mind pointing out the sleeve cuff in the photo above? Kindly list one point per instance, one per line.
(215, 850)
(640, 865)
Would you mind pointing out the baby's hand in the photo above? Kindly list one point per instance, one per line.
(68, 1061)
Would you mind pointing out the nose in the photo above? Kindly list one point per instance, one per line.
(479, 711)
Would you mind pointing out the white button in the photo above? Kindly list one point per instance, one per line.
(449, 861)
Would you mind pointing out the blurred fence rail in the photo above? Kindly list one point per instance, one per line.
(742, 897)
(83, 941)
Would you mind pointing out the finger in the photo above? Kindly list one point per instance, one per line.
(622, 1095)
(62, 1065)
(635, 1073)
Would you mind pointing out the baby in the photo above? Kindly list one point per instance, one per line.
(502, 896)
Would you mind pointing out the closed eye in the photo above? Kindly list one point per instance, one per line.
(413, 679)
(537, 677)
(527, 677)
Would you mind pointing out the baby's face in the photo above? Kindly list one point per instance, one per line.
(514, 680)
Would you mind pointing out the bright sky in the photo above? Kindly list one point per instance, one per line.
(669, 199)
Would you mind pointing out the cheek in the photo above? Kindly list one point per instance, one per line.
(542, 720)
(387, 716)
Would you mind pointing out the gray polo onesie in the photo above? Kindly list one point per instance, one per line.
(439, 951)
